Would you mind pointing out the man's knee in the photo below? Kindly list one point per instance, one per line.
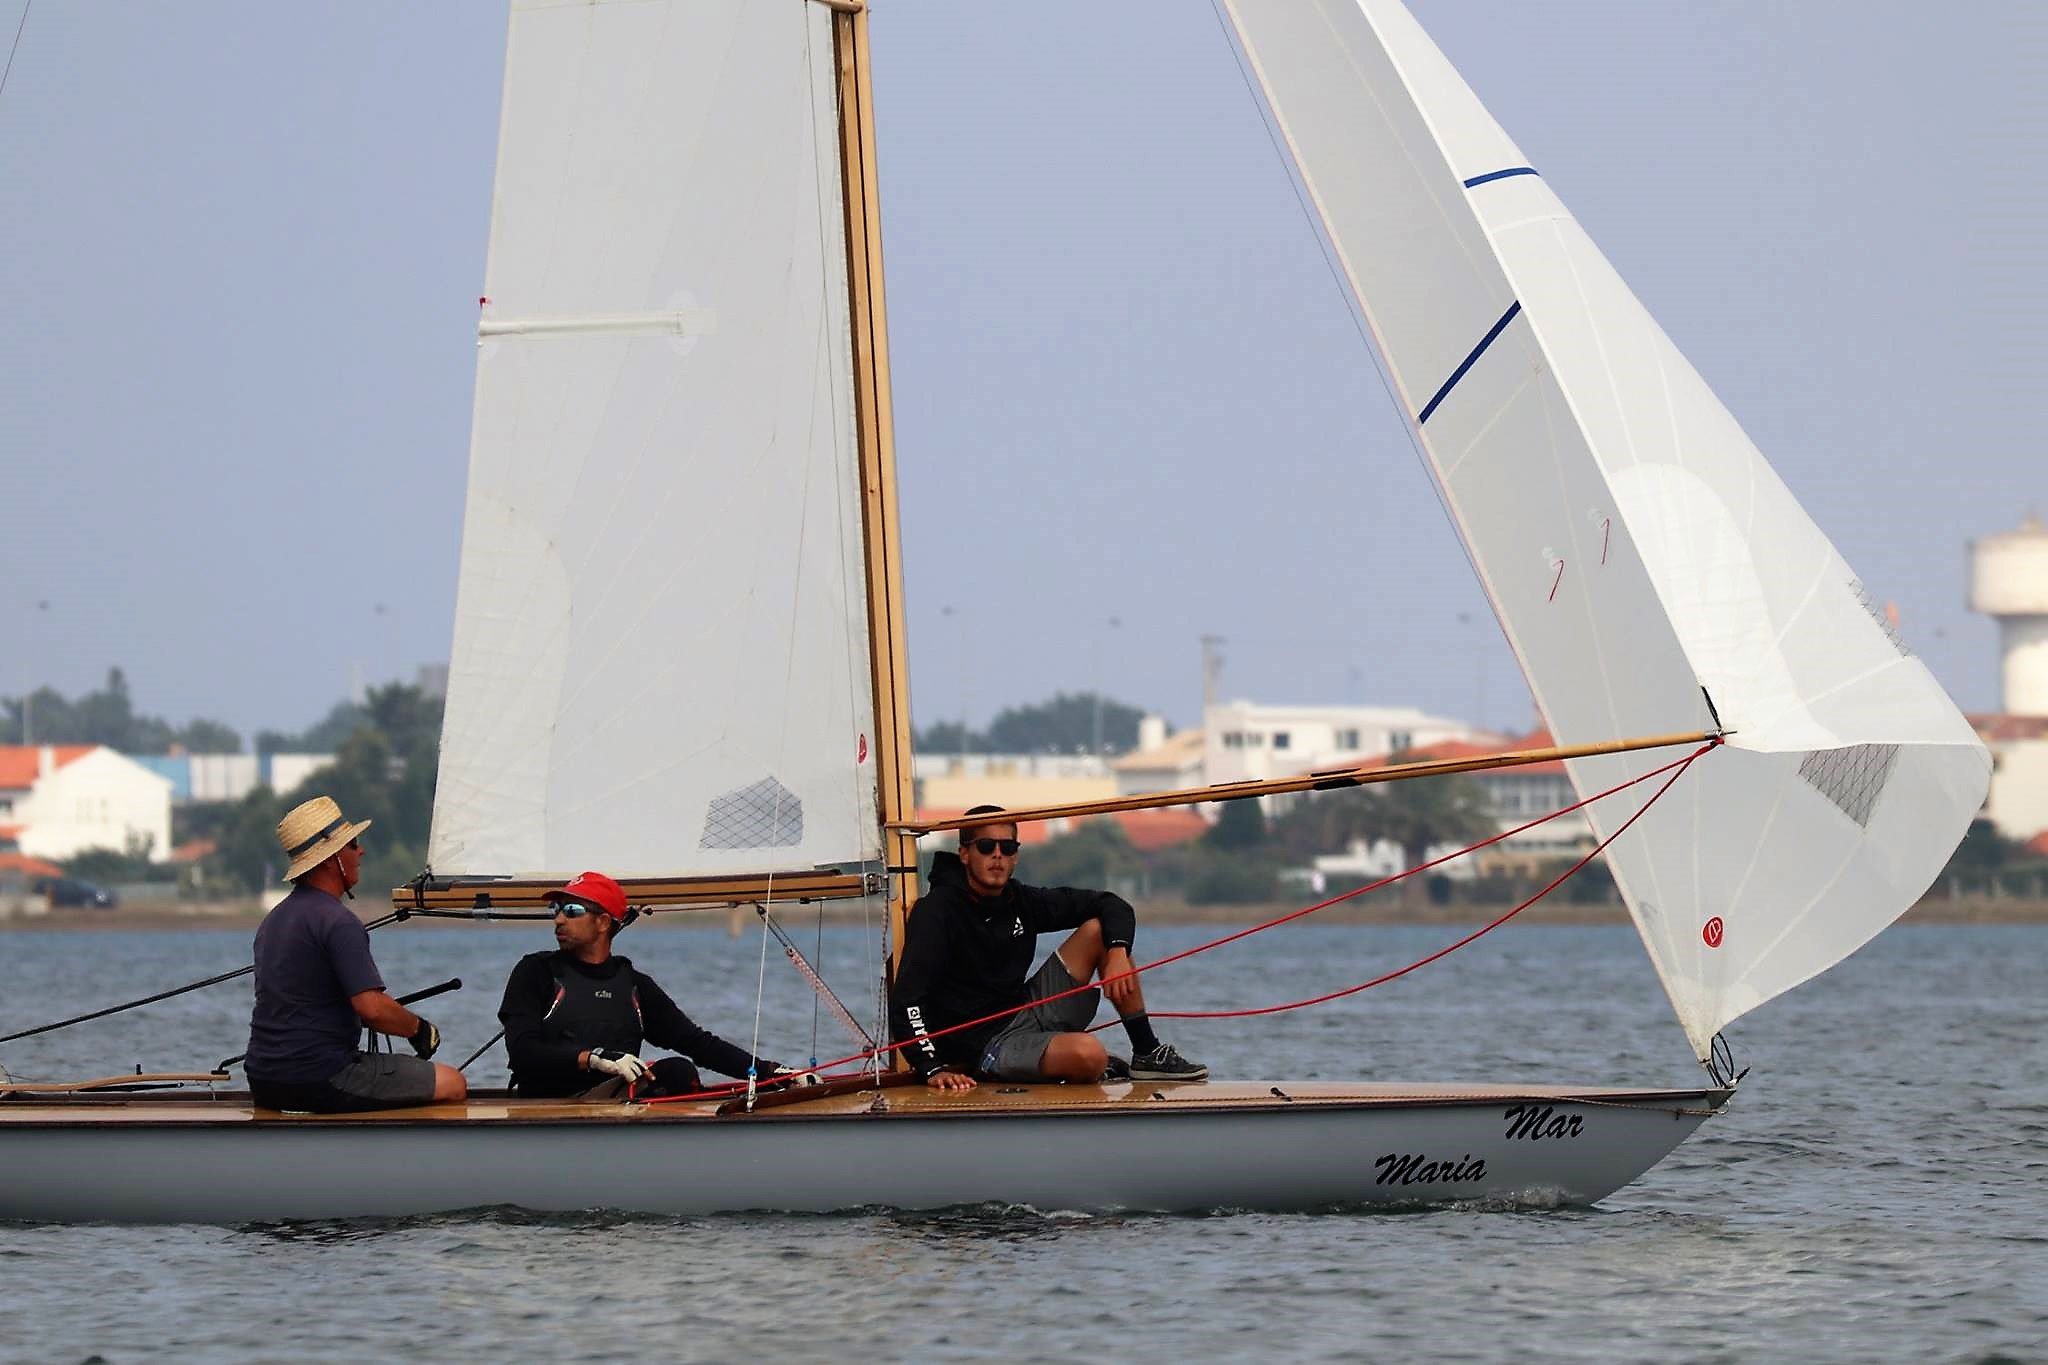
(1073, 1057)
(1082, 951)
(449, 1084)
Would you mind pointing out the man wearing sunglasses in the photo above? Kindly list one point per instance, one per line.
(576, 1019)
(317, 988)
(966, 954)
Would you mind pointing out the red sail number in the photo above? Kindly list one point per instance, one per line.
(1712, 933)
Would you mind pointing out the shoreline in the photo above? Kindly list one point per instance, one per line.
(243, 916)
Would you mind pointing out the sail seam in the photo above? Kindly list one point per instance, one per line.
(1492, 176)
(1492, 334)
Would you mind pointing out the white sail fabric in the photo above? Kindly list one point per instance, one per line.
(1634, 543)
(660, 661)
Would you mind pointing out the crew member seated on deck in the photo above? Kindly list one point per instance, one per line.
(317, 988)
(576, 1019)
(966, 950)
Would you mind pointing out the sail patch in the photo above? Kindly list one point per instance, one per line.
(763, 815)
(1853, 777)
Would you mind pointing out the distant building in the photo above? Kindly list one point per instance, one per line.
(1159, 763)
(230, 777)
(2009, 583)
(1517, 796)
(957, 781)
(58, 800)
(2018, 801)
(1246, 740)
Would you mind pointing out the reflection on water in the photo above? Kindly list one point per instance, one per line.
(1875, 1191)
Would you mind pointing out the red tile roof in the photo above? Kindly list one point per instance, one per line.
(1151, 830)
(21, 764)
(1028, 833)
(2038, 845)
(192, 850)
(27, 866)
(1993, 728)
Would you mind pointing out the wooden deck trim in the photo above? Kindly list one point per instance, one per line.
(990, 1101)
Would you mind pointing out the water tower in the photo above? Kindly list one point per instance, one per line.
(2009, 582)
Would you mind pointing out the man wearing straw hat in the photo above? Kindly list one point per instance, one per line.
(317, 987)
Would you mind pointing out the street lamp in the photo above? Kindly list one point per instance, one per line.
(1096, 747)
(960, 637)
(28, 688)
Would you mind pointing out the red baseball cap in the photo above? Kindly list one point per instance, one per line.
(596, 889)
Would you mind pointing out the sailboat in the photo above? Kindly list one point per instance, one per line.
(680, 652)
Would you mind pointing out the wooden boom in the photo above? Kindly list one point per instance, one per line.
(1328, 779)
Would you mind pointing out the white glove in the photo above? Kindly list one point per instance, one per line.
(795, 1077)
(621, 1064)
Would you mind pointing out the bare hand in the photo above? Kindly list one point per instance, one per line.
(949, 1080)
(1122, 990)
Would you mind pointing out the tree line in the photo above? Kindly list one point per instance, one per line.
(1070, 723)
(108, 716)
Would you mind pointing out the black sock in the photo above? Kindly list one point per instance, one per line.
(1139, 1026)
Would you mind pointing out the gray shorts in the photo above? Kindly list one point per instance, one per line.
(1015, 1052)
(386, 1078)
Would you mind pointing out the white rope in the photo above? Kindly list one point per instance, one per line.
(760, 990)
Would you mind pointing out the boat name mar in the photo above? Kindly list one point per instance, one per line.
(1532, 1122)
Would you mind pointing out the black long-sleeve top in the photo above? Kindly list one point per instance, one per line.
(965, 956)
(548, 1064)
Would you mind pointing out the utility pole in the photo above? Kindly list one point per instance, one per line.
(1212, 669)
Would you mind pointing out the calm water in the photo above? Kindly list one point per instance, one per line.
(1876, 1192)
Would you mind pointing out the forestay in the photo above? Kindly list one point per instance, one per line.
(1641, 555)
(660, 660)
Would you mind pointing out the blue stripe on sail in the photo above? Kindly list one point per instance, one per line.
(1477, 351)
(1500, 175)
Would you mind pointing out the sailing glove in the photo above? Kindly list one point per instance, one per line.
(778, 1072)
(622, 1064)
(426, 1039)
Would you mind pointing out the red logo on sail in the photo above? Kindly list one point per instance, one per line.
(1712, 933)
(863, 755)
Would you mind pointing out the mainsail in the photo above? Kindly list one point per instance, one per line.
(1651, 571)
(661, 659)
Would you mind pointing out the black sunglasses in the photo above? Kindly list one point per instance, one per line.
(575, 909)
(987, 846)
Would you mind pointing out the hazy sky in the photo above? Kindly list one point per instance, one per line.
(241, 244)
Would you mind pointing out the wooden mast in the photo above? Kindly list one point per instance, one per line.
(887, 658)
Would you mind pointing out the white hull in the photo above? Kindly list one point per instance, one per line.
(1237, 1146)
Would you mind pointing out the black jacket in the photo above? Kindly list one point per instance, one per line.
(544, 1062)
(964, 957)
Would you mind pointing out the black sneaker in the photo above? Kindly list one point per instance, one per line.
(1164, 1063)
(1116, 1070)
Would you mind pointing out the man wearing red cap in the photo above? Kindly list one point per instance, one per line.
(576, 1019)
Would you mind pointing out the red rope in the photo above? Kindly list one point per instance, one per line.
(1480, 932)
(1676, 768)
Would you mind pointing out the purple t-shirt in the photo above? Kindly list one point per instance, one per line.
(312, 954)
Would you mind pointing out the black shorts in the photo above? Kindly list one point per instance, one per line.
(373, 1080)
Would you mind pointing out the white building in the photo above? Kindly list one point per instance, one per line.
(2009, 583)
(1245, 740)
(58, 800)
(1159, 764)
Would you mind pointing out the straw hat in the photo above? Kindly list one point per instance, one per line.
(314, 832)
